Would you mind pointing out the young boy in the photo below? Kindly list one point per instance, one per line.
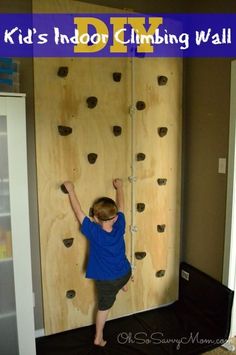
(107, 263)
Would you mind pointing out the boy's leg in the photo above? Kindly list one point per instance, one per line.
(100, 322)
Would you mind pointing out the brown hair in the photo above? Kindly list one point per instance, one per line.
(104, 209)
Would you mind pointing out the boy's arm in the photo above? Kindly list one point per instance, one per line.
(75, 204)
(120, 201)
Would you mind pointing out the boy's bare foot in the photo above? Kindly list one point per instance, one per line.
(100, 342)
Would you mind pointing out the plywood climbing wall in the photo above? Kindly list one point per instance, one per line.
(63, 102)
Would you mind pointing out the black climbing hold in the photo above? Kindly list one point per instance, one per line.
(68, 242)
(139, 255)
(64, 130)
(140, 105)
(62, 72)
(92, 101)
(117, 130)
(63, 189)
(140, 156)
(140, 207)
(70, 294)
(161, 181)
(160, 273)
(91, 212)
(162, 131)
(117, 77)
(92, 157)
(162, 80)
(161, 228)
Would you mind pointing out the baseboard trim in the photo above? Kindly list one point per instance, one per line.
(39, 333)
(228, 346)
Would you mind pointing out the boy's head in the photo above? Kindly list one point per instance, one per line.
(105, 209)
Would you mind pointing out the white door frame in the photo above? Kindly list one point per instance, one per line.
(13, 106)
(229, 269)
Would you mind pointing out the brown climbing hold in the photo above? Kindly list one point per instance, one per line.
(63, 189)
(68, 242)
(62, 72)
(64, 130)
(70, 294)
(140, 156)
(162, 131)
(161, 228)
(117, 77)
(140, 105)
(162, 80)
(140, 207)
(161, 182)
(92, 157)
(139, 255)
(117, 130)
(160, 273)
(92, 101)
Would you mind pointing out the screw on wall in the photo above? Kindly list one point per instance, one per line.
(162, 80)
(161, 228)
(117, 130)
(160, 273)
(92, 101)
(68, 242)
(117, 76)
(92, 157)
(140, 207)
(139, 255)
(64, 130)
(140, 105)
(62, 72)
(140, 157)
(70, 294)
(162, 131)
(162, 182)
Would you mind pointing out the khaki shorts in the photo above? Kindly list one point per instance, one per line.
(107, 291)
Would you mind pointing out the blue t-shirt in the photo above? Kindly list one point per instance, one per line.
(107, 258)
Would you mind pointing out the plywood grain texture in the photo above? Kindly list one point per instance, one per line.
(62, 101)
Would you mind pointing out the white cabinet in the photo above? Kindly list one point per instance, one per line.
(16, 297)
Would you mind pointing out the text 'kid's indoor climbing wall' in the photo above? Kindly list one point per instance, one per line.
(96, 121)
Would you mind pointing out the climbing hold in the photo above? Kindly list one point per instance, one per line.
(117, 77)
(161, 181)
(162, 131)
(162, 80)
(68, 242)
(63, 189)
(92, 157)
(70, 294)
(139, 255)
(117, 130)
(140, 156)
(140, 105)
(161, 228)
(92, 101)
(62, 72)
(140, 207)
(64, 130)
(160, 273)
